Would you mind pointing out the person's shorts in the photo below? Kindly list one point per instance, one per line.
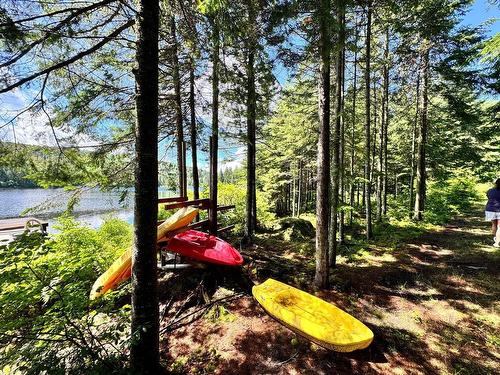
(490, 215)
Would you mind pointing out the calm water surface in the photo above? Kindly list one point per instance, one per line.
(93, 207)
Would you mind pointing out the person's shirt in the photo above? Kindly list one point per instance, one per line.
(493, 204)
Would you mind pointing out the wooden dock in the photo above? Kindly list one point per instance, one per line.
(10, 228)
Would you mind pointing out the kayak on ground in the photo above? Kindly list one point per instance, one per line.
(312, 317)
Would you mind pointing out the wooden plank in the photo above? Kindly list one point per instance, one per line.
(201, 203)
(172, 199)
(199, 224)
(227, 207)
(229, 227)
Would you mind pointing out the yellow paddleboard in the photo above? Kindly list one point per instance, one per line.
(312, 317)
(121, 269)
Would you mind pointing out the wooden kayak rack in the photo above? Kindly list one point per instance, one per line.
(173, 203)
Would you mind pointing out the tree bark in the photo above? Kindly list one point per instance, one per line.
(299, 193)
(215, 127)
(193, 131)
(422, 138)
(178, 109)
(367, 189)
(251, 112)
(413, 145)
(380, 159)
(386, 122)
(294, 193)
(353, 129)
(342, 138)
(337, 115)
(323, 161)
(144, 347)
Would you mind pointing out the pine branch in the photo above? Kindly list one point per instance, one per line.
(69, 61)
(55, 29)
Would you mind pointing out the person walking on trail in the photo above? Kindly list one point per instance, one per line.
(492, 211)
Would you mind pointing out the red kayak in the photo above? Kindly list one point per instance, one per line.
(205, 248)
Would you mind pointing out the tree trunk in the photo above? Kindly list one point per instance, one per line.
(374, 132)
(386, 122)
(323, 162)
(353, 129)
(422, 138)
(215, 127)
(251, 104)
(342, 139)
(380, 160)
(413, 145)
(336, 140)
(193, 128)
(294, 193)
(367, 190)
(144, 345)
(178, 109)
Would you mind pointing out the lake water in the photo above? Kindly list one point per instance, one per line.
(93, 208)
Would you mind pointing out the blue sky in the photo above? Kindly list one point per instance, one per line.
(480, 12)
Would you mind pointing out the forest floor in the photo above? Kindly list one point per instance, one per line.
(431, 297)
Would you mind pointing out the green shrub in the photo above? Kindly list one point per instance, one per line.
(235, 194)
(296, 229)
(46, 320)
(453, 196)
(445, 198)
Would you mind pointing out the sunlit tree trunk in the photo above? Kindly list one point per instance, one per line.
(380, 158)
(422, 137)
(337, 116)
(178, 110)
(342, 141)
(299, 187)
(215, 126)
(144, 343)
(323, 162)
(193, 130)
(386, 123)
(413, 144)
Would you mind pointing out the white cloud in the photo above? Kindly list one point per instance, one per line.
(32, 127)
(236, 161)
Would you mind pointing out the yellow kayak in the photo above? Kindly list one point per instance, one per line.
(121, 269)
(312, 317)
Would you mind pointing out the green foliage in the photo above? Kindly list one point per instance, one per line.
(453, 194)
(451, 197)
(491, 49)
(289, 136)
(210, 7)
(46, 321)
(296, 229)
(218, 314)
(201, 361)
(47, 167)
(235, 194)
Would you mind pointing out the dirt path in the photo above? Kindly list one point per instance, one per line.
(432, 303)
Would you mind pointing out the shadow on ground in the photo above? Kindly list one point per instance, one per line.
(432, 304)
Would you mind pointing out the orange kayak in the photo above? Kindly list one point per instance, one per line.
(121, 269)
